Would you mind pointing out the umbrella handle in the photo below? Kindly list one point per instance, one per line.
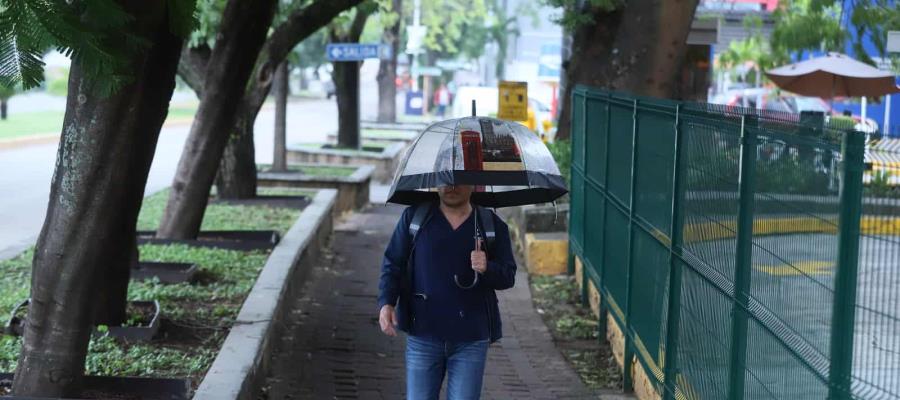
(461, 286)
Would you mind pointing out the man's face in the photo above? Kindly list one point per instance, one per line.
(455, 196)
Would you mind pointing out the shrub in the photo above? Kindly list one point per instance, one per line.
(561, 150)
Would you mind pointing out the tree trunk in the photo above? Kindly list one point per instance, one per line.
(346, 83)
(279, 158)
(3, 106)
(651, 45)
(591, 43)
(236, 178)
(387, 70)
(346, 90)
(110, 297)
(237, 170)
(105, 151)
(645, 44)
(240, 37)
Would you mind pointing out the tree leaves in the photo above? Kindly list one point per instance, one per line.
(96, 34)
(183, 16)
(575, 13)
(22, 43)
(808, 25)
(828, 25)
(7, 91)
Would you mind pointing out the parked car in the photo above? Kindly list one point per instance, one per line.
(767, 99)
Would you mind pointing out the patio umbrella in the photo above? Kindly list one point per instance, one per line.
(507, 163)
(835, 75)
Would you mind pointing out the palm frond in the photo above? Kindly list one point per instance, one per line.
(96, 34)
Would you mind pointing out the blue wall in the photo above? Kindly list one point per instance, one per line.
(876, 112)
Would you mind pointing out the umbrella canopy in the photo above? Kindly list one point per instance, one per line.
(835, 75)
(506, 162)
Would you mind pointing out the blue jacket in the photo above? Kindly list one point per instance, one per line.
(396, 287)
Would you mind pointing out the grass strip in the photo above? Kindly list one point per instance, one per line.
(196, 317)
(324, 171)
(25, 124)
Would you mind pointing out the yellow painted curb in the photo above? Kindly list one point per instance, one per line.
(616, 341)
(579, 275)
(869, 225)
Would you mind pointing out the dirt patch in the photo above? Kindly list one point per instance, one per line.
(574, 331)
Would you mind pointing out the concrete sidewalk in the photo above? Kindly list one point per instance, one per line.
(332, 347)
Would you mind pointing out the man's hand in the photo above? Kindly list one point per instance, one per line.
(388, 320)
(479, 258)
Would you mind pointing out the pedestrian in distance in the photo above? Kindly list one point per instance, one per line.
(442, 99)
(438, 285)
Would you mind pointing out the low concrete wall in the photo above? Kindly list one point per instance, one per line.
(644, 388)
(401, 126)
(353, 191)
(405, 139)
(385, 163)
(242, 364)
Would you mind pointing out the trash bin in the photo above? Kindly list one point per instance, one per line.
(414, 103)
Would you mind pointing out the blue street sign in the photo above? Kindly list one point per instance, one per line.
(356, 51)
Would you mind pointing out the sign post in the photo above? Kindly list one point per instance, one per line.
(893, 42)
(513, 101)
(337, 52)
(352, 53)
(893, 46)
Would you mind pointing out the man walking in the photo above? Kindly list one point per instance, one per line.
(437, 284)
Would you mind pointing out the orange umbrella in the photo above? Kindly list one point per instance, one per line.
(835, 75)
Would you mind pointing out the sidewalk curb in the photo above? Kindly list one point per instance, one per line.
(242, 363)
(47, 138)
(42, 138)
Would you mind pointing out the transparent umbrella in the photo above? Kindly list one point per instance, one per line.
(505, 161)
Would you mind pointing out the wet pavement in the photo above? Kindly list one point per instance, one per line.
(332, 347)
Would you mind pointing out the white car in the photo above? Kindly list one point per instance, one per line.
(486, 103)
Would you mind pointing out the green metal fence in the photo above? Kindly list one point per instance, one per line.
(739, 251)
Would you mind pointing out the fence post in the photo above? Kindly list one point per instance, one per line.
(844, 307)
(570, 260)
(584, 119)
(673, 313)
(572, 212)
(628, 373)
(603, 321)
(743, 258)
(585, 293)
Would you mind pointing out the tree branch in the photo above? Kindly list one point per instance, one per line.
(359, 23)
(299, 25)
(192, 66)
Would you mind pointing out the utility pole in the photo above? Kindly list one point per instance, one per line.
(419, 34)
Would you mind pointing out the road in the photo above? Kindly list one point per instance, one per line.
(792, 295)
(25, 172)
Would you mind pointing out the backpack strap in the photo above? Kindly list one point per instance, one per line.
(486, 218)
(418, 220)
(421, 216)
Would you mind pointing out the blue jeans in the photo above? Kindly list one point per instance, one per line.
(428, 359)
